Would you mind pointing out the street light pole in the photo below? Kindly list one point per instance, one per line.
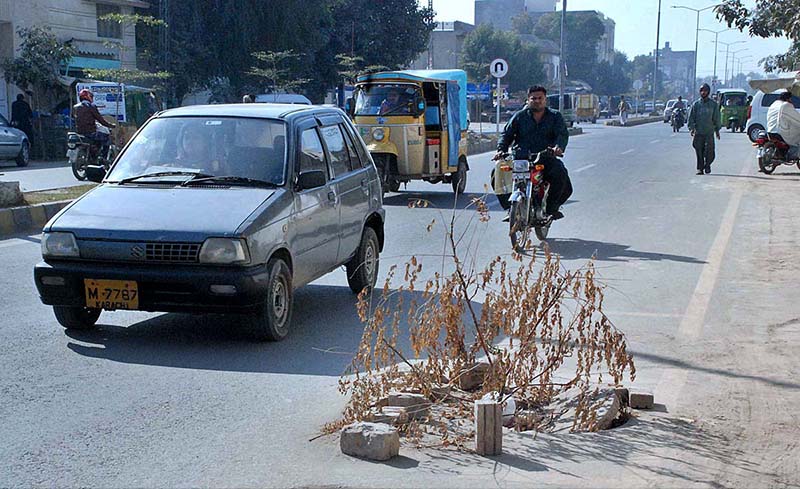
(727, 54)
(716, 49)
(658, 42)
(562, 62)
(733, 60)
(696, 37)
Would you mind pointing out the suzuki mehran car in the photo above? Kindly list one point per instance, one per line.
(219, 209)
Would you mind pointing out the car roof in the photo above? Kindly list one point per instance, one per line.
(256, 110)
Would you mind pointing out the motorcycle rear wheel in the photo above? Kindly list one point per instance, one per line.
(765, 163)
(518, 226)
(79, 166)
(541, 232)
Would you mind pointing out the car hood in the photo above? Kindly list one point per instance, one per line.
(135, 212)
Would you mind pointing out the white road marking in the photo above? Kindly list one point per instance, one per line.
(674, 379)
(654, 141)
(628, 152)
(584, 168)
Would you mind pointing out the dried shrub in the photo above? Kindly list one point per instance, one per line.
(533, 316)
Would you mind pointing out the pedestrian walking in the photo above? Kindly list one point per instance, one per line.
(21, 117)
(624, 108)
(704, 123)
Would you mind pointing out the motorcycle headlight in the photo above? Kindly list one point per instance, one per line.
(61, 245)
(72, 145)
(378, 134)
(224, 251)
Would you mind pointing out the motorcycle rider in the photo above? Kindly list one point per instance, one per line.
(783, 119)
(86, 119)
(678, 110)
(532, 130)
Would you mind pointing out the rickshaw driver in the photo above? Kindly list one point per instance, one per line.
(391, 103)
(532, 130)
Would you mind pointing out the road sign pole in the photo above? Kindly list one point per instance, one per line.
(498, 106)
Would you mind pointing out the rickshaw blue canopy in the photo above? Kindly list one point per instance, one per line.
(458, 76)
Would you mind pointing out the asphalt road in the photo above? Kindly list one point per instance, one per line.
(39, 175)
(701, 273)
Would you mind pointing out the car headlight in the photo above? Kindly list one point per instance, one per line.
(224, 251)
(59, 245)
(379, 133)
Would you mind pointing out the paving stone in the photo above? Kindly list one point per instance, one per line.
(372, 441)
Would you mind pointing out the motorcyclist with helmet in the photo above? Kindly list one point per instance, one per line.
(86, 119)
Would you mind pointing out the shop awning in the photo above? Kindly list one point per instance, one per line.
(80, 62)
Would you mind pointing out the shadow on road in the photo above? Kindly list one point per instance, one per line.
(772, 178)
(437, 200)
(574, 249)
(325, 334)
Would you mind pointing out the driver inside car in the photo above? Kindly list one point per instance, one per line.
(392, 103)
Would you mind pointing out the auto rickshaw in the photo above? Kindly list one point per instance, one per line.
(733, 108)
(414, 124)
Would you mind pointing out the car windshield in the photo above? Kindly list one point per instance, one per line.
(734, 100)
(385, 99)
(177, 148)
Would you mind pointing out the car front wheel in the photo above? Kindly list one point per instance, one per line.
(24, 156)
(76, 317)
(272, 322)
(362, 269)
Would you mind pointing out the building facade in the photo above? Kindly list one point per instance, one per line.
(678, 69)
(100, 44)
(445, 46)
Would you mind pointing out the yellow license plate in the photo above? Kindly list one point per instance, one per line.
(111, 294)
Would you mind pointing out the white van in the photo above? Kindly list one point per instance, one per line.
(757, 113)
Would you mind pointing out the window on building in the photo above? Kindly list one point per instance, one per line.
(107, 28)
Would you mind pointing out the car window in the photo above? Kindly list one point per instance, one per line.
(355, 162)
(3, 121)
(312, 155)
(769, 98)
(360, 150)
(217, 146)
(340, 159)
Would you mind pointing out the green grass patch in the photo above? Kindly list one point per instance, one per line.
(56, 194)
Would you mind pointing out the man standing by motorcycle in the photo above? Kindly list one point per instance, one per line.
(704, 123)
(87, 117)
(532, 130)
(783, 119)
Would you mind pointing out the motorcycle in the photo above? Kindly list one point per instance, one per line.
(678, 119)
(773, 152)
(528, 199)
(83, 152)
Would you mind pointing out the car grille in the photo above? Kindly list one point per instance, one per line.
(172, 252)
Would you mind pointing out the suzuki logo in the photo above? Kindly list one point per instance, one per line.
(137, 251)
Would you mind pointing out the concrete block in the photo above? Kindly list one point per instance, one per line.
(416, 405)
(641, 399)
(372, 441)
(471, 377)
(391, 415)
(10, 194)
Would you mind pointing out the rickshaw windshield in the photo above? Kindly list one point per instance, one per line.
(388, 99)
(734, 100)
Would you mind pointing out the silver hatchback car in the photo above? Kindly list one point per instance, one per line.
(14, 144)
(221, 208)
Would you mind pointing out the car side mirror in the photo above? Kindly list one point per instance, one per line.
(95, 173)
(311, 179)
(350, 107)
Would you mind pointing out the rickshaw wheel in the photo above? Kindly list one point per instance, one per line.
(459, 179)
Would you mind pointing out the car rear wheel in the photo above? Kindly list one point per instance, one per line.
(362, 269)
(752, 133)
(24, 156)
(272, 322)
(82, 318)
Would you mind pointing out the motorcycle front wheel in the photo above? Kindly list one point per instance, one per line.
(79, 166)
(518, 226)
(541, 232)
(765, 163)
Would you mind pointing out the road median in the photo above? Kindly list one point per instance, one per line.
(32, 211)
(636, 122)
(484, 143)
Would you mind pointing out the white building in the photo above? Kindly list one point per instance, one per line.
(70, 20)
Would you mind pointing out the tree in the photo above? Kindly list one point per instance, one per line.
(39, 61)
(280, 71)
(769, 18)
(484, 44)
(611, 79)
(584, 30)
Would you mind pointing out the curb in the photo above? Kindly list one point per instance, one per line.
(16, 220)
(635, 122)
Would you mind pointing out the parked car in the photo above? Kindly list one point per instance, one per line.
(14, 144)
(757, 112)
(219, 208)
(282, 98)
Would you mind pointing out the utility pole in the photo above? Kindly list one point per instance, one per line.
(430, 42)
(696, 39)
(562, 61)
(716, 50)
(658, 41)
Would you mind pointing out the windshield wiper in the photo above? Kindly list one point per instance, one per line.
(230, 179)
(164, 174)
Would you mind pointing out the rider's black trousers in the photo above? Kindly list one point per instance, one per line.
(560, 186)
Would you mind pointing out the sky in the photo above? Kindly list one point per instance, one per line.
(636, 29)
